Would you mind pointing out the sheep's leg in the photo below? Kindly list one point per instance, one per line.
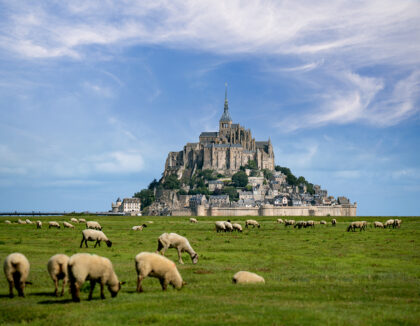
(160, 246)
(81, 243)
(163, 283)
(11, 285)
(96, 243)
(99, 243)
(86, 243)
(180, 257)
(21, 288)
(92, 287)
(64, 285)
(56, 287)
(164, 250)
(102, 291)
(139, 287)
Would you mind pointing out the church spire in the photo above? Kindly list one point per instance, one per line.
(226, 116)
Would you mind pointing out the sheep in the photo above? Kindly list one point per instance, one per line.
(300, 224)
(220, 226)
(82, 220)
(254, 223)
(16, 268)
(82, 267)
(228, 226)
(94, 235)
(323, 222)
(139, 227)
(38, 224)
(7, 222)
(356, 225)
(28, 221)
(154, 265)
(378, 225)
(397, 223)
(310, 224)
(280, 221)
(20, 221)
(389, 223)
(53, 224)
(93, 225)
(237, 227)
(74, 220)
(193, 220)
(243, 277)
(289, 222)
(333, 222)
(173, 240)
(68, 225)
(57, 268)
(364, 225)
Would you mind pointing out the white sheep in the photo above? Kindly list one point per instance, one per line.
(243, 277)
(397, 223)
(82, 220)
(280, 221)
(82, 267)
(333, 222)
(254, 223)
(16, 268)
(323, 222)
(289, 222)
(220, 226)
(94, 235)
(20, 221)
(7, 222)
(310, 224)
(28, 221)
(139, 227)
(57, 268)
(389, 223)
(53, 224)
(93, 225)
(228, 226)
(68, 225)
(154, 265)
(193, 220)
(38, 224)
(180, 243)
(237, 227)
(378, 225)
(74, 220)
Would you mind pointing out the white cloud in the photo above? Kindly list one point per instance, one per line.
(98, 89)
(118, 162)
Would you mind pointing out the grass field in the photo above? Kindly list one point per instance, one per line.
(321, 276)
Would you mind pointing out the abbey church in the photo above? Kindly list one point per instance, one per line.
(224, 151)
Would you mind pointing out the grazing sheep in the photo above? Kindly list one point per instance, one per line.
(94, 235)
(333, 222)
(93, 225)
(220, 226)
(16, 269)
(82, 220)
(254, 223)
(7, 222)
(378, 225)
(53, 224)
(28, 221)
(57, 268)
(20, 221)
(150, 222)
(139, 227)
(300, 224)
(356, 225)
(38, 224)
(323, 222)
(228, 226)
(289, 222)
(74, 220)
(397, 223)
(237, 227)
(389, 223)
(68, 225)
(243, 277)
(154, 265)
(280, 221)
(173, 240)
(310, 224)
(193, 220)
(82, 267)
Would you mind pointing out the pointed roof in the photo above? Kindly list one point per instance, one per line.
(226, 116)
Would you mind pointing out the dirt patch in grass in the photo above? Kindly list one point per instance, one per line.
(203, 271)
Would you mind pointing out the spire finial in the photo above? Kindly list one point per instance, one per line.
(225, 92)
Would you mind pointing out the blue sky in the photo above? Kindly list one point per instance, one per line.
(93, 95)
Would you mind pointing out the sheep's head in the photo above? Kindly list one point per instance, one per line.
(144, 225)
(109, 243)
(194, 258)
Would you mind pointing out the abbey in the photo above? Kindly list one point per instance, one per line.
(224, 151)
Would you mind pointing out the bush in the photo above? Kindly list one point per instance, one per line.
(240, 179)
(146, 196)
(172, 182)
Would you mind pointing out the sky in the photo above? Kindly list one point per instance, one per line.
(94, 94)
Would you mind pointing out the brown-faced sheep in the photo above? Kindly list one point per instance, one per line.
(243, 277)
(154, 265)
(82, 267)
(254, 223)
(16, 269)
(57, 268)
(53, 224)
(94, 235)
(180, 243)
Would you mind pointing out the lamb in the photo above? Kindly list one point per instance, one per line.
(173, 240)
(154, 265)
(74, 220)
(228, 226)
(237, 227)
(378, 225)
(16, 268)
(20, 221)
(289, 222)
(139, 227)
(82, 220)
(333, 222)
(94, 235)
(7, 222)
(280, 221)
(57, 268)
(68, 225)
(28, 221)
(82, 267)
(356, 225)
(38, 224)
(53, 224)
(220, 226)
(193, 220)
(254, 223)
(243, 277)
(323, 222)
(93, 225)
(389, 223)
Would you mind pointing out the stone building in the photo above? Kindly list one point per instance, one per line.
(224, 151)
(128, 205)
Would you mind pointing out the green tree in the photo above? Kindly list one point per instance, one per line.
(240, 179)
(251, 165)
(182, 192)
(268, 174)
(153, 184)
(172, 182)
(146, 196)
(231, 192)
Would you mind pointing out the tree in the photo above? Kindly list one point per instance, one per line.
(146, 196)
(251, 165)
(172, 182)
(240, 179)
(182, 192)
(268, 174)
(231, 192)
(153, 184)
(207, 175)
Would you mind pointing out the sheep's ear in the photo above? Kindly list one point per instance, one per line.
(27, 282)
(122, 283)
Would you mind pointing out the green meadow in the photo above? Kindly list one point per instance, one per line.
(320, 276)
